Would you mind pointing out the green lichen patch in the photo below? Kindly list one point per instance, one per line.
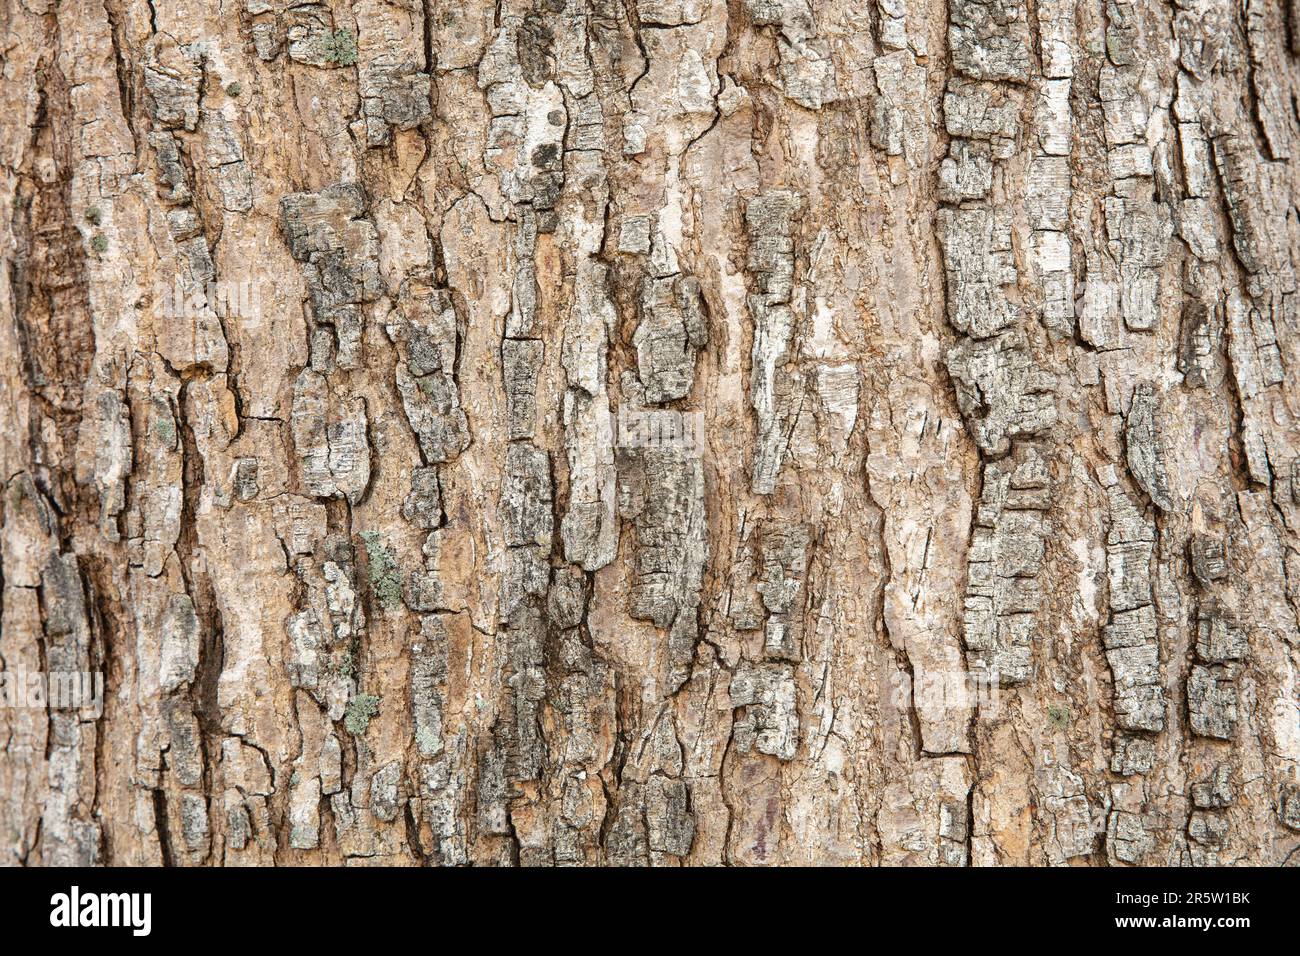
(343, 665)
(341, 48)
(234, 89)
(99, 243)
(1058, 716)
(94, 216)
(356, 718)
(385, 577)
(165, 429)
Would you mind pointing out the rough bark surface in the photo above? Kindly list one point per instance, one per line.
(625, 431)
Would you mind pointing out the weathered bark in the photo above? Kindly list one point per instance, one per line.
(625, 431)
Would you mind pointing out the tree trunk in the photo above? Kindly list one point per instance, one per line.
(650, 432)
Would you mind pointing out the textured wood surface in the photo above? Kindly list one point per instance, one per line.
(650, 432)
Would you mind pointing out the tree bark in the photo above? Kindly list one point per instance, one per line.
(650, 432)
